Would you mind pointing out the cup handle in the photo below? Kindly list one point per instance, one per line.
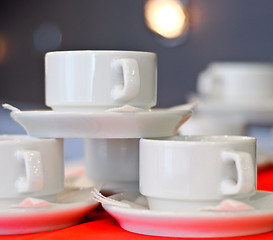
(207, 84)
(130, 87)
(34, 178)
(245, 173)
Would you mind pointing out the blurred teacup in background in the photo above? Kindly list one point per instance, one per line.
(235, 98)
(187, 173)
(30, 167)
(99, 80)
(236, 81)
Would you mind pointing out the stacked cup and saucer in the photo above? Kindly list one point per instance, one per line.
(105, 98)
(195, 186)
(168, 185)
(244, 89)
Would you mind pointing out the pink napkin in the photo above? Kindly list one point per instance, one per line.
(229, 205)
(33, 202)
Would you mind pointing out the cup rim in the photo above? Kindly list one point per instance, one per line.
(4, 138)
(199, 139)
(98, 52)
(229, 66)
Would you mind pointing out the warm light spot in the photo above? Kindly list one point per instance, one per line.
(3, 49)
(165, 17)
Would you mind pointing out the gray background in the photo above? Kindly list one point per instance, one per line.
(232, 30)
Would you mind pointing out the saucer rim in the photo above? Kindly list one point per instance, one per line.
(181, 214)
(10, 211)
(97, 124)
(28, 220)
(259, 113)
(211, 104)
(192, 224)
(98, 113)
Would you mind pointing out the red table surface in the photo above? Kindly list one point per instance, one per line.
(100, 225)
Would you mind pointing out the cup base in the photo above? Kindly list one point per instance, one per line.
(123, 108)
(186, 206)
(113, 187)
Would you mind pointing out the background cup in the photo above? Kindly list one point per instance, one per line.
(190, 172)
(30, 167)
(233, 81)
(205, 124)
(113, 163)
(99, 80)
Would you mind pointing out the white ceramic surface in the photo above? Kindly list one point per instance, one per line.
(194, 224)
(187, 172)
(30, 167)
(113, 163)
(202, 124)
(233, 81)
(70, 208)
(154, 123)
(98, 80)
(259, 112)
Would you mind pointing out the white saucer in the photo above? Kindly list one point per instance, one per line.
(259, 112)
(154, 123)
(197, 224)
(71, 207)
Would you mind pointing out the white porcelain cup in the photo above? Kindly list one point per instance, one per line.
(187, 173)
(206, 124)
(233, 81)
(113, 163)
(99, 80)
(30, 167)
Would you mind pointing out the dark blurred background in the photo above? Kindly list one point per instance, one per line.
(228, 30)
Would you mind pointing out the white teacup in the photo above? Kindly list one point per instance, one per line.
(190, 172)
(99, 80)
(205, 124)
(31, 167)
(113, 163)
(237, 81)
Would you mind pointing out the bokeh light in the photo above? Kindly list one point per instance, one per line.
(47, 37)
(166, 17)
(3, 49)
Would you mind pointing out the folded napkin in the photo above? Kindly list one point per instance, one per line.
(33, 202)
(228, 205)
(125, 108)
(109, 201)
